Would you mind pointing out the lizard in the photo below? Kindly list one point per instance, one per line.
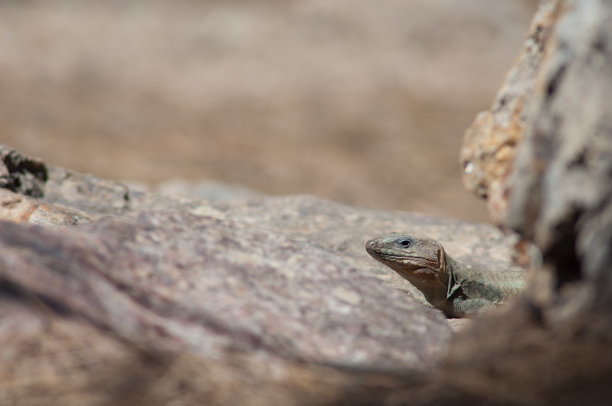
(456, 288)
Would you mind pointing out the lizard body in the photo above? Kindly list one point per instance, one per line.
(451, 286)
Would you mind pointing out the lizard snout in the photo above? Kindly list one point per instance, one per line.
(370, 245)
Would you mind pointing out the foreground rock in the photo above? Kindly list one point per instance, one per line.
(276, 287)
(174, 280)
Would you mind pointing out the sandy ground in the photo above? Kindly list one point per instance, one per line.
(359, 101)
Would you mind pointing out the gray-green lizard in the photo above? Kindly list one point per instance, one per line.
(455, 288)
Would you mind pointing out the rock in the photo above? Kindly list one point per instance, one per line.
(24, 209)
(174, 280)
(308, 233)
(489, 144)
(335, 227)
(556, 343)
(562, 189)
(278, 287)
(62, 360)
(20, 174)
(90, 194)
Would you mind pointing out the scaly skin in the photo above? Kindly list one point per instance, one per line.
(453, 287)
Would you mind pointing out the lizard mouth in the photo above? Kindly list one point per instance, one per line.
(405, 259)
(416, 262)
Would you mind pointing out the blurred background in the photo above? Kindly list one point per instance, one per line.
(358, 101)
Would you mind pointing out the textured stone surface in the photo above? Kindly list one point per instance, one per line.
(21, 174)
(88, 193)
(175, 279)
(557, 345)
(299, 245)
(489, 144)
(50, 360)
(331, 226)
(562, 197)
(257, 289)
(23, 209)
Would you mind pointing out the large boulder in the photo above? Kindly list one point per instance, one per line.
(260, 284)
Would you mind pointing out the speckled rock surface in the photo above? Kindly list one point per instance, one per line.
(53, 360)
(338, 228)
(489, 144)
(283, 277)
(562, 197)
(24, 209)
(264, 290)
(180, 280)
(21, 174)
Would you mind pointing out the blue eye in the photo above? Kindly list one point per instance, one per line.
(405, 242)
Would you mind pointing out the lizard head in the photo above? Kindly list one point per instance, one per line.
(416, 259)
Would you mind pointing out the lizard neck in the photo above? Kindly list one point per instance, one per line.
(435, 290)
(453, 270)
(439, 291)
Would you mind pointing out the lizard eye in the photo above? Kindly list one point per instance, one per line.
(405, 242)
